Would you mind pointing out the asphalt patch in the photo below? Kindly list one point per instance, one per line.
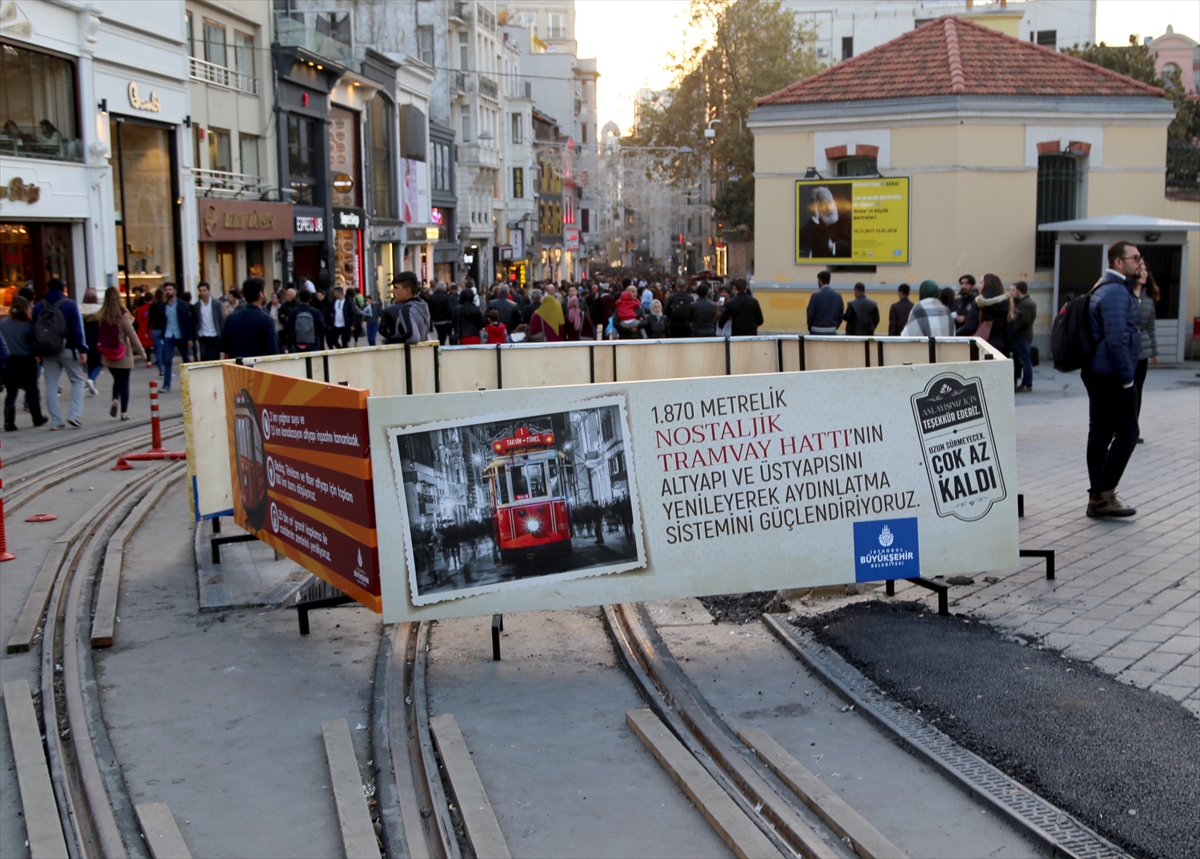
(1124, 761)
(741, 608)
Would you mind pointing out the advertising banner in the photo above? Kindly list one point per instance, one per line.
(543, 498)
(846, 221)
(300, 462)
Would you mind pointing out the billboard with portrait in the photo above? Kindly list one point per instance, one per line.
(852, 221)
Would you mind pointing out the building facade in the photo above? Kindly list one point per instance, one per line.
(94, 144)
(1039, 138)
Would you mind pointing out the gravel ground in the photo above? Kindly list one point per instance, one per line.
(740, 608)
(1125, 761)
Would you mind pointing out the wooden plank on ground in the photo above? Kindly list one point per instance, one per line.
(35, 605)
(43, 827)
(868, 841)
(483, 830)
(354, 818)
(162, 832)
(105, 621)
(737, 830)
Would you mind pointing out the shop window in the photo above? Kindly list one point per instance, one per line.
(243, 54)
(143, 169)
(859, 165)
(38, 106)
(220, 157)
(383, 189)
(1059, 179)
(214, 43)
(302, 158)
(248, 152)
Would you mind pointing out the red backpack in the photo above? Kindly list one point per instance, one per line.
(110, 344)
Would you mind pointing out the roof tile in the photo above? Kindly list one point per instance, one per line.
(955, 56)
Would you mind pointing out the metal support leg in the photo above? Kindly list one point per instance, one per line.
(1020, 506)
(940, 588)
(217, 542)
(303, 608)
(497, 628)
(217, 525)
(1047, 554)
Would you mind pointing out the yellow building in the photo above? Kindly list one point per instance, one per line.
(996, 137)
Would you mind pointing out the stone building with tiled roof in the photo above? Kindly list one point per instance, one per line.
(995, 136)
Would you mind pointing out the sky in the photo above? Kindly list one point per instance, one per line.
(631, 38)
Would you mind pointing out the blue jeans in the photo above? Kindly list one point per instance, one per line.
(1022, 353)
(169, 345)
(55, 365)
(157, 337)
(372, 332)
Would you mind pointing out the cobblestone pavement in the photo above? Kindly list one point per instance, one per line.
(1126, 596)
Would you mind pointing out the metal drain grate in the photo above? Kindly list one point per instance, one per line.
(1044, 821)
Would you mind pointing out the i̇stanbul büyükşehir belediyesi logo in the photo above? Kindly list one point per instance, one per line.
(885, 537)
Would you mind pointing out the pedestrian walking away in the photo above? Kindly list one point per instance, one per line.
(742, 311)
(119, 346)
(1024, 314)
(58, 340)
(20, 368)
(929, 317)
(899, 311)
(1114, 315)
(1147, 292)
(209, 318)
(494, 332)
(306, 325)
(862, 314)
(825, 308)
(704, 313)
(88, 309)
(678, 310)
(250, 331)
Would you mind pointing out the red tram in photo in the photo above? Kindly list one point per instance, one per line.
(531, 508)
(251, 459)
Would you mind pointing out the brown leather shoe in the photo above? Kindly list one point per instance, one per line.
(1104, 504)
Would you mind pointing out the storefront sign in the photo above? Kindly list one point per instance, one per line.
(310, 224)
(348, 219)
(343, 184)
(244, 220)
(299, 459)
(424, 234)
(571, 238)
(16, 189)
(152, 104)
(687, 487)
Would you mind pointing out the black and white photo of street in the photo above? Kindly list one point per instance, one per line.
(505, 501)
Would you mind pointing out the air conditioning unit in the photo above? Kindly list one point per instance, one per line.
(822, 52)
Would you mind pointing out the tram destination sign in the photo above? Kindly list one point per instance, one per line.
(299, 461)
(542, 498)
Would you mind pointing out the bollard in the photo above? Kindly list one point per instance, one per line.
(157, 451)
(5, 555)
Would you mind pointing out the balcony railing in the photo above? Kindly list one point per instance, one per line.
(225, 185)
(486, 19)
(489, 87)
(461, 10)
(297, 34)
(202, 70)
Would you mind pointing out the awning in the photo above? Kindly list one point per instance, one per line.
(1120, 223)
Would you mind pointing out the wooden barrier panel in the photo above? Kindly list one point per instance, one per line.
(468, 368)
(382, 370)
(542, 366)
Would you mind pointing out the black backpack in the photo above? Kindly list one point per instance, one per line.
(49, 331)
(1072, 342)
(677, 306)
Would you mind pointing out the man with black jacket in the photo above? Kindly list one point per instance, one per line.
(305, 324)
(703, 313)
(825, 308)
(441, 311)
(966, 311)
(510, 314)
(862, 314)
(899, 311)
(344, 316)
(743, 310)
(678, 311)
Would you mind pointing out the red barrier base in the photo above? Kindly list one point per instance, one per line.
(148, 456)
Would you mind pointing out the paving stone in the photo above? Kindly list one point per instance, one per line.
(1179, 693)
(1157, 661)
(1184, 675)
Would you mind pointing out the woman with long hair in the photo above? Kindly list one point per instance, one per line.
(995, 312)
(118, 344)
(1147, 293)
(21, 369)
(88, 308)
